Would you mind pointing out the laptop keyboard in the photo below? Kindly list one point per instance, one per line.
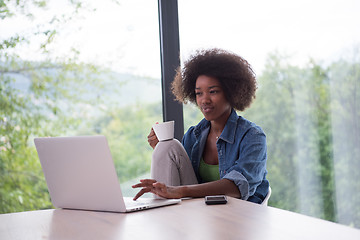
(135, 204)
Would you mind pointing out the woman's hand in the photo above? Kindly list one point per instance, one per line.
(152, 138)
(160, 189)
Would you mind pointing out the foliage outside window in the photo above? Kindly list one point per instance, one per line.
(47, 92)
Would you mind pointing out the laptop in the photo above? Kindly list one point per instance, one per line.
(80, 174)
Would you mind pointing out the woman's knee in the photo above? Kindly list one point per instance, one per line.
(169, 145)
(167, 150)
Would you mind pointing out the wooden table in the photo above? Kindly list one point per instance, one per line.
(191, 219)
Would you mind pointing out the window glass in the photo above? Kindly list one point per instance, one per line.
(73, 68)
(306, 57)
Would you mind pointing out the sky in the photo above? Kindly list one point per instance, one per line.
(306, 28)
(125, 36)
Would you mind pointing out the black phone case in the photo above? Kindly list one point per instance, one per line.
(218, 200)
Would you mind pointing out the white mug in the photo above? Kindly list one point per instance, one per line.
(164, 131)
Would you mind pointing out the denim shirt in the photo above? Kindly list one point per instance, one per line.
(241, 151)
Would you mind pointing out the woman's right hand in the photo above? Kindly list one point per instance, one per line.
(152, 138)
(160, 189)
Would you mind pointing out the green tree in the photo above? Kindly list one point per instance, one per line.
(308, 113)
(344, 76)
(34, 101)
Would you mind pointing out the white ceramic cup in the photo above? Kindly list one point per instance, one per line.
(164, 131)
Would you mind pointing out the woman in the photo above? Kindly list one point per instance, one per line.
(224, 153)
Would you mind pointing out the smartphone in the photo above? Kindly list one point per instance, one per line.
(218, 199)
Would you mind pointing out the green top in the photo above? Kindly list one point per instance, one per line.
(208, 173)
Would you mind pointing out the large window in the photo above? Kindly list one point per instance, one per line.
(93, 67)
(75, 68)
(307, 59)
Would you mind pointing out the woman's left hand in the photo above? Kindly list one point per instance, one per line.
(152, 138)
(160, 189)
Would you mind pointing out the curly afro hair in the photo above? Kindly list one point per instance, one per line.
(232, 71)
